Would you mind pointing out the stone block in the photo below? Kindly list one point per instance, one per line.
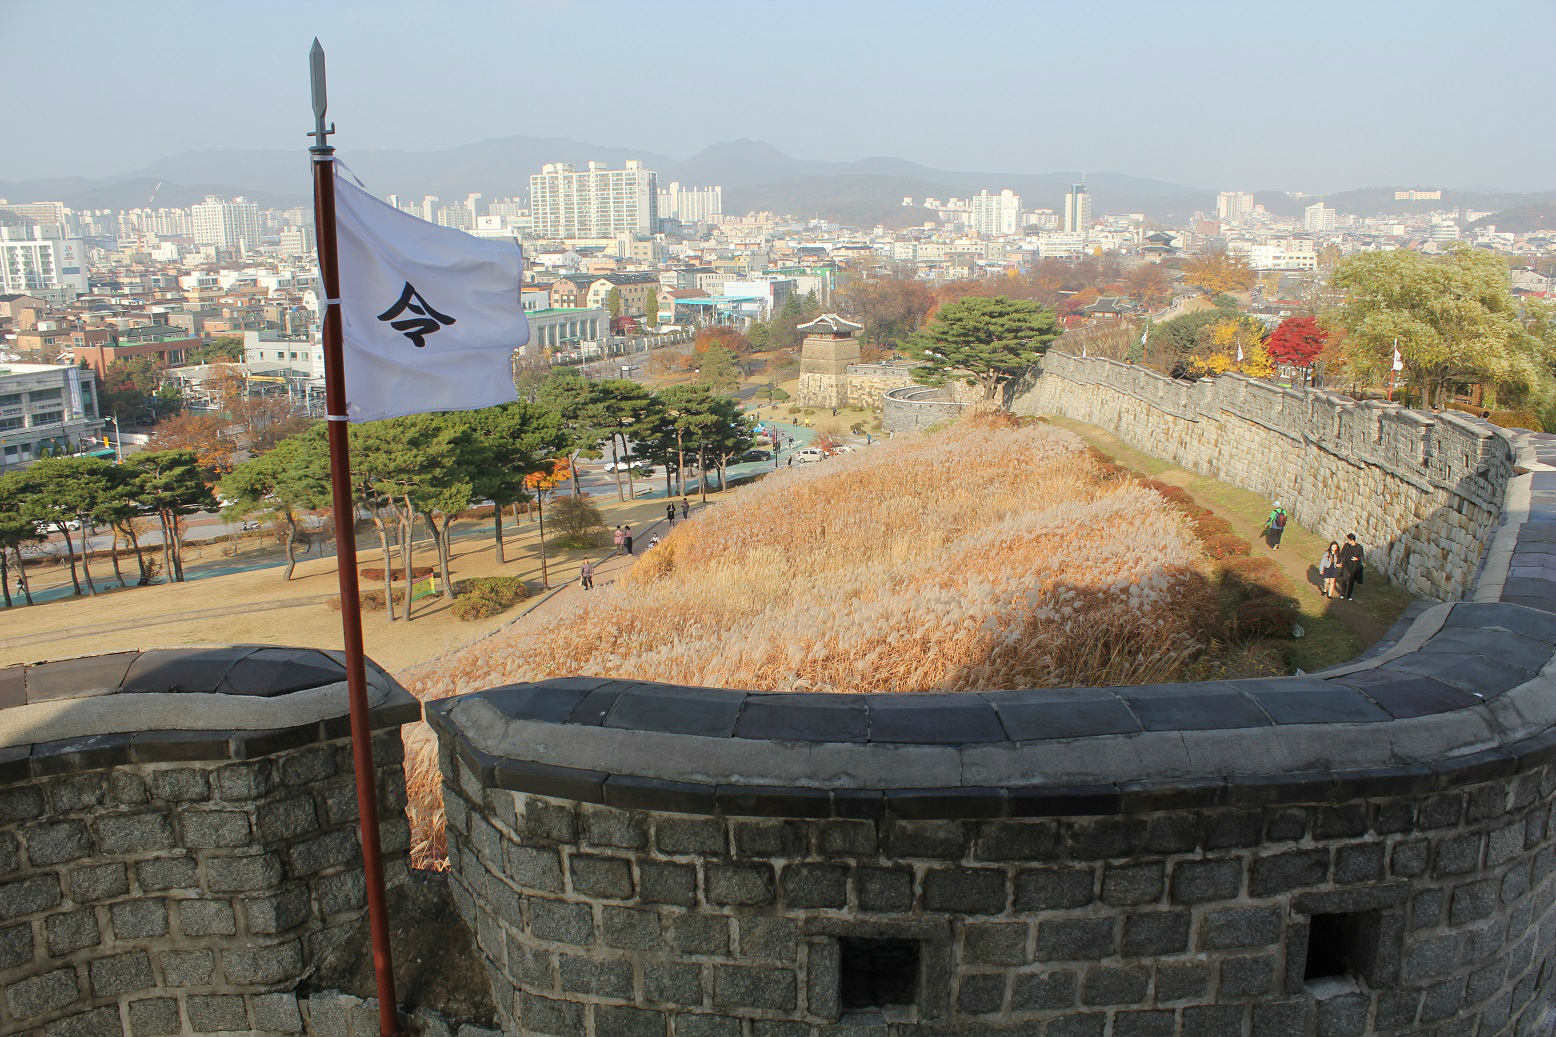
(99, 1022)
(121, 974)
(335, 849)
(741, 885)
(561, 921)
(1471, 902)
(277, 1013)
(71, 793)
(1041, 991)
(53, 844)
(279, 818)
(154, 1017)
(823, 968)
(341, 892)
(206, 918)
(537, 868)
(127, 789)
(1240, 927)
(1156, 933)
(1075, 939)
(216, 1013)
(1247, 976)
(1019, 841)
(701, 1025)
(29, 896)
(139, 919)
(994, 943)
(768, 838)
(180, 785)
(595, 977)
(69, 932)
(600, 877)
(1115, 985)
(549, 1016)
(1086, 1024)
(545, 820)
(1409, 858)
(1458, 856)
(629, 928)
(753, 987)
(278, 912)
(16, 946)
(931, 839)
(1213, 1021)
(623, 1021)
(768, 939)
(264, 966)
(1048, 889)
(885, 889)
(1285, 872)
(966, 890)
(981, 993)
(1144, 1024)
(39, 995)
(310, 765)
(93, 882)
(1232, 829)
(164, 873)
(251, 873)
(700, 934)
(207, 829)
(1125, 885)
(1342, 1014)
(21, 804)
(1197, 881)
(1362, 862)
(134, 833)
(188, 968)
(689, 836)
(1181, 980)
(815, 885)
(676, 983)
(329, 1013)
(846, 838)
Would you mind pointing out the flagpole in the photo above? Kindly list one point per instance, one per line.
(343, 502)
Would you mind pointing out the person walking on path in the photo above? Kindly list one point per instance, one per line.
(586, 575)
(619, 537)
(686, 508)
(626, 538)
(670, 513)
(1274, 526)
(1350, 566)
(1329, 569)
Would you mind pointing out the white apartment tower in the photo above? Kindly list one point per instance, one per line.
(691, 204)
(1077, 211)
(39, 259)
(1318, 217)
(1232, 204)
(594, 203)
(994, 215)
(226, 224)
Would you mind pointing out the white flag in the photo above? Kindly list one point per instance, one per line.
(430, 315)
(1239, 352)
(1399, 361)
(1145, 333)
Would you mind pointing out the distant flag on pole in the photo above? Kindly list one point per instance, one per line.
(431, 315)
(1399, 361)
(1145, 333)
(1239, 352)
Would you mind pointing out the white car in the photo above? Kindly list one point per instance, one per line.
(43, 529)
(809, 454)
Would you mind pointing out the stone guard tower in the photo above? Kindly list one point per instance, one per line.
(828, 349)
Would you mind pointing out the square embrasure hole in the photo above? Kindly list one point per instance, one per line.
(1342, 944)
(877, 973)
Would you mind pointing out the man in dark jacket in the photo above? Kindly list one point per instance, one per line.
(1350, 565)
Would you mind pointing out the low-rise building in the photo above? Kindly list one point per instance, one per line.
(46, 410)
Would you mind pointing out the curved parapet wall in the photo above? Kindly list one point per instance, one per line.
(1422, 492)
(178, 844)
(913, 408)
(1370, 850)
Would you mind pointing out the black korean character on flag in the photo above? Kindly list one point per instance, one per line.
(426, 319)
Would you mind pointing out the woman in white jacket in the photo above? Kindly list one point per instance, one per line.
(1329, 569)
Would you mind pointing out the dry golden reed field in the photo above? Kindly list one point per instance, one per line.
(982, 556)
(977, 557)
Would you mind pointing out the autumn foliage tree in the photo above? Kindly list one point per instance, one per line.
(1219, 271)
(1297, 341)
(203, 434)
(722, 335)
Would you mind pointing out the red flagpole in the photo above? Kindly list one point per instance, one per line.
(344, 505)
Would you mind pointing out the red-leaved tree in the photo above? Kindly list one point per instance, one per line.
(1297, 341)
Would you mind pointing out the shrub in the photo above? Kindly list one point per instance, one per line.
(1210, 525)
(506, 590)
(1264, 618)
(577, 522)
(369, 600)
(1255, 577)
(470, 607)
(1225, 545)
(376, 575)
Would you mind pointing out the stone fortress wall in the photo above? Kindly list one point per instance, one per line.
(1422, 492)
(1370, 850)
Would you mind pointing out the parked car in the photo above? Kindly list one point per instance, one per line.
(43, 529)
(809, 454)
(756, 455)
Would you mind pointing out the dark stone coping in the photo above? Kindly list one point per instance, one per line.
(1456, 663)
(264, 671)
(252, 670)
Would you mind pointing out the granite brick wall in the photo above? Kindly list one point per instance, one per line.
(1422, 492)
(916, 408)
(623, 922)
(174, 895)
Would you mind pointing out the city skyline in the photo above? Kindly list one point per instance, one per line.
(1347, 98)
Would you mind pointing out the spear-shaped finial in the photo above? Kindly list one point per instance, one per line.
(321, 101)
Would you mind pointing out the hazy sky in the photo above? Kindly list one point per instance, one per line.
(1313, 96)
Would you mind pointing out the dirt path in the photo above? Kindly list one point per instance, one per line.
(1362, 622)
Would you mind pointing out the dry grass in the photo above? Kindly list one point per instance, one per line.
(984, 556)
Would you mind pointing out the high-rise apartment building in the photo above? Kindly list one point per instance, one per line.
(1232, 204)
(691, 204)
(1077, 211)
(995, 214)
(1318, 217)
(594, 203)
(39, 259)
(226, 224)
